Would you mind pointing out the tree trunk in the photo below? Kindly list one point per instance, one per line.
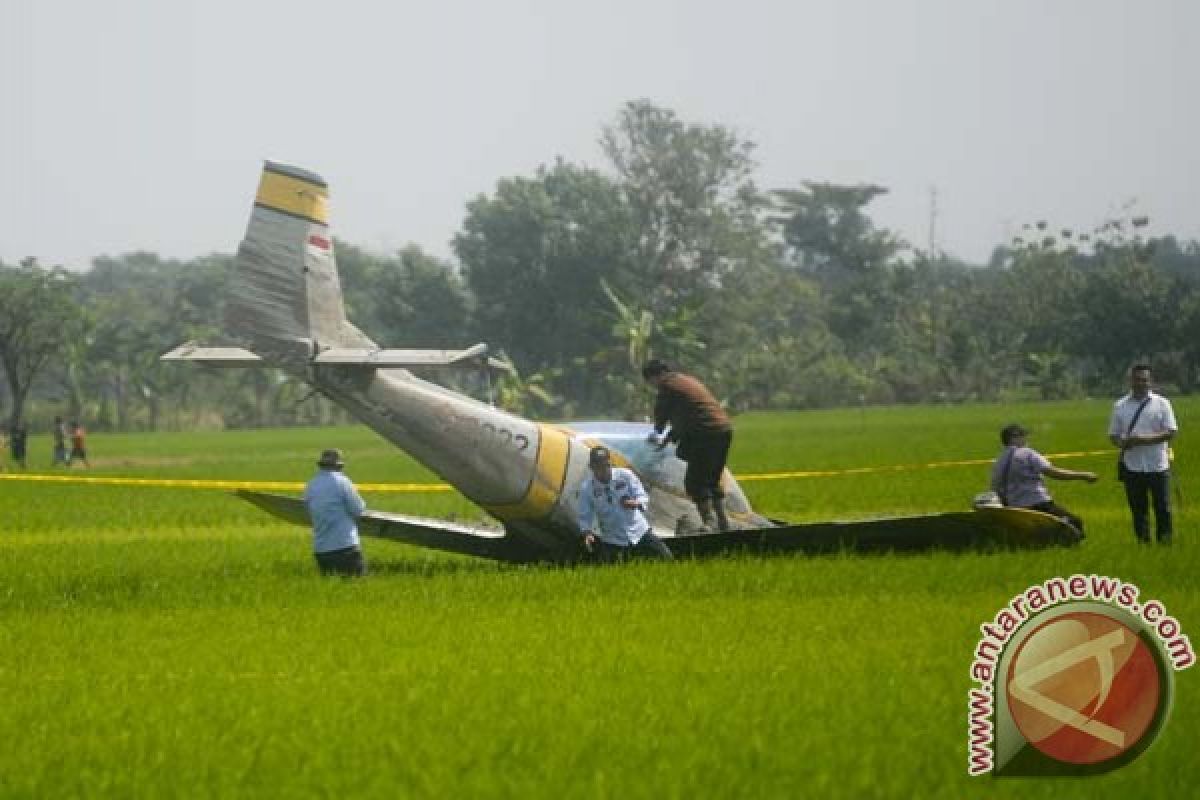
(119, 400)
(17, 393)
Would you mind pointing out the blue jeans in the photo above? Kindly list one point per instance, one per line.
(1140, 488)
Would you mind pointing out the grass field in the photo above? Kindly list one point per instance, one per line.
(177, 643)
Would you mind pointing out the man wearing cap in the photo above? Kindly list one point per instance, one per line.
(1017, 477)
(614, 497)
(702, 429)
(333, 505)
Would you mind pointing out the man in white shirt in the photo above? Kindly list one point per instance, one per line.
(1142, 424)
(614, 497)
(334, 505)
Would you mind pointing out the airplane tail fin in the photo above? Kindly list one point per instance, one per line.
(285, 299)
(283, 306)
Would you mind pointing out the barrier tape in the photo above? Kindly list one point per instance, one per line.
(296, 486)
(180, 483)
(973, 462)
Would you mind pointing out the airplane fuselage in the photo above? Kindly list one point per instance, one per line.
(523, 473)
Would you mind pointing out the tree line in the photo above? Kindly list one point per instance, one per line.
(782, 298)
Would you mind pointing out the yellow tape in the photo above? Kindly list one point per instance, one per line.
(180, 483)
(542, 494)
(974, 462)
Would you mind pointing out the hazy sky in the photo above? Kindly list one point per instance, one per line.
(141, 124)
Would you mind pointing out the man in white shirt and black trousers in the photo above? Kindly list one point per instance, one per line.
(615, 498)
(1141, 425)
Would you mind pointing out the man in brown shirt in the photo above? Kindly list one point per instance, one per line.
(702, 430)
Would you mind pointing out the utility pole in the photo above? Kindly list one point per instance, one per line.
(934, 310)
(933, 211)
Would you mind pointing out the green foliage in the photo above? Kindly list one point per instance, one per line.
(1139, 307)
(692, 202)
(534, 255)
(37, 318)
(409, 299)
(1051, 374)
(794, 299)
(637, 335)
(528, 395)
(776, 348)
(829, 234)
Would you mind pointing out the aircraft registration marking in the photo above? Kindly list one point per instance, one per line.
(546, 485)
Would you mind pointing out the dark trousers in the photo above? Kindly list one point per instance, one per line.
(649, 546)
(348, 562)
(1140, 489)
(1055, 510)
(705, 454)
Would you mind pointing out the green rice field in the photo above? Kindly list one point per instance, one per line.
(173, 642)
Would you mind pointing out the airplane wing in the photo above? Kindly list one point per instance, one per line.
(982, 528)
(421, 531)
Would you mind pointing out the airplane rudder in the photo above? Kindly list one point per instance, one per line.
(286, 294)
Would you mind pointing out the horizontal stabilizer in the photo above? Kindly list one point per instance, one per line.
(435, 534)
(213, 356)
(362, 357)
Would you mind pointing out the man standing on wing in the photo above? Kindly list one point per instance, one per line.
(614, 497)
(1141, 425)
(702, 429)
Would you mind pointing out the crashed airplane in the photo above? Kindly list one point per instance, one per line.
(284, 310)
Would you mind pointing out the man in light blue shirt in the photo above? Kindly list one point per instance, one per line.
(333, 505)
(616, 499)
